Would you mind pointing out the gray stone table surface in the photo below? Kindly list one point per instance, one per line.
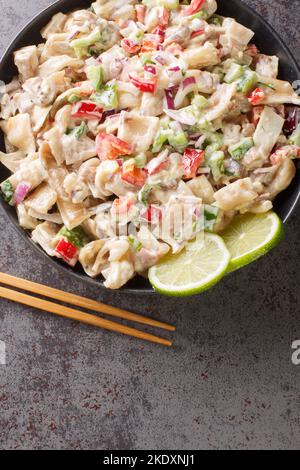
(228, 382)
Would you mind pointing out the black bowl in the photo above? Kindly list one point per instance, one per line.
(265, 38)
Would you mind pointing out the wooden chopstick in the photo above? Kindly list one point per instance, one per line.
(73, 314)
(79, 301)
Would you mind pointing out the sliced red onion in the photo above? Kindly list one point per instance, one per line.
(195, 136)
(175, 75)
(73, 35)
(120, 162)
(169, 99)
(187, 86)
(21, 192)
(173, 89)
(150, 69)
(159, 31)
(188, 81)
(113, 113)
(292, 119)
(160, 60)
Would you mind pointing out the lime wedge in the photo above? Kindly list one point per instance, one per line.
(250, 236)
(195, 269)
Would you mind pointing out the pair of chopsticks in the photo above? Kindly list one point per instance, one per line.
(77, 315)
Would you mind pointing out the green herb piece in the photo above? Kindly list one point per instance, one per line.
(7, 191)
(76, 236)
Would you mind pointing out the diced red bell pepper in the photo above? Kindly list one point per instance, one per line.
(152, 214)
(155, 165)
(276, 158)
(140, 11)
(288, 151)
(133, 175)
(86, 110)
(109, 147)
(193, 8)
(144, 84)
(130, 46)
(149, 46)
(122, 205)
(197, 33)
(67, 251)
(257, 96)
(159, 31)
(191, 161)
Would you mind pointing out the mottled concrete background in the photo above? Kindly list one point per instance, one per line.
(228, 382)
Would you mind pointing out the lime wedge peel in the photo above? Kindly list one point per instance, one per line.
(251, 236)
(197, 268)
(204, 262)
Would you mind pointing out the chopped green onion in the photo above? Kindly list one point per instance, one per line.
(169, 4)
(79, 131)
(199, 102)
(135, 243)
(218, 70)
(74, 98)
(268, 85)
(210, 217)
(95, 75)
(81, 45)
(239, 150)
(232, 168)
(76, 236)
(234, 72)
(7, 191)
(145, 192)
(140, 160)
(216, 20)
(202, 15)
(216, 164)
(178, 141)
(93, 52)
(146, 59)
(294, 139)
(160, 139)
(210, 149)
(247, 81)
(169, 133)
(108, 97)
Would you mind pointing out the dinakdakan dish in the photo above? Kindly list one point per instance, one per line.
(134, 126)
